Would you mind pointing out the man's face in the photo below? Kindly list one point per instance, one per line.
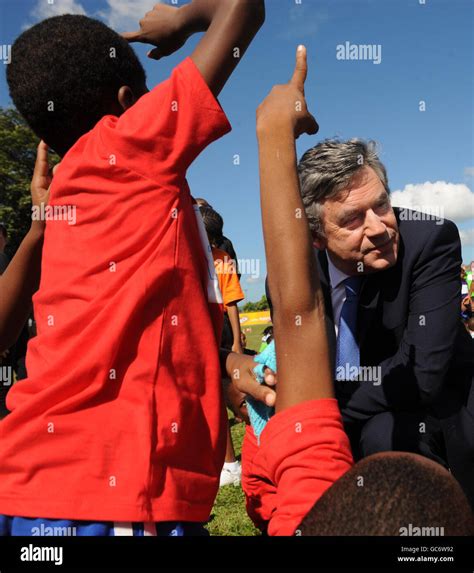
(361, 231)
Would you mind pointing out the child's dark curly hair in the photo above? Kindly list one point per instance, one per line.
(65, 74)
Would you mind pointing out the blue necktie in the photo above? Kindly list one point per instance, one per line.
(348, 353)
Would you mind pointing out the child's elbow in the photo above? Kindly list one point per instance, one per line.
(296, 306)
(259, 9)
(254, 12)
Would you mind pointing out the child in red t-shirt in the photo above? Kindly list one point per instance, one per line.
(121, 417)
(300, 479)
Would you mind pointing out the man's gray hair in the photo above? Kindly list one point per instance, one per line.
(326, 169)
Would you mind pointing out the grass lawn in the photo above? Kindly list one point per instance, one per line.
(254, 337)
(228, 515)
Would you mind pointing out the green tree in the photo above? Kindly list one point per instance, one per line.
(259, 306)
(17, 159)
(262, 304)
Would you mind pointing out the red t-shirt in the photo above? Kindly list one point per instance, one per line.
(121, 417)
(303, 451)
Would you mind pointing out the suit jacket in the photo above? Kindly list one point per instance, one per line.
(409, 326)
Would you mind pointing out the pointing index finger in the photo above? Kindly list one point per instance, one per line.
(132, 36)
(41, 164)
(301, 68)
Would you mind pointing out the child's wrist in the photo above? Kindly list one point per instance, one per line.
(192, 20)
(277, 128)
(37, 229)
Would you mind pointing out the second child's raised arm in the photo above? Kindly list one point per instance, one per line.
(300, 334)
(22, 277)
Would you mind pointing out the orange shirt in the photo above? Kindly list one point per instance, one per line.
(227, 277)
(121, 417)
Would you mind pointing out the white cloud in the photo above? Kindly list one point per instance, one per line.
(44, 9)
(467, 237)
(124, 15)
(449, 200)
(120, 15)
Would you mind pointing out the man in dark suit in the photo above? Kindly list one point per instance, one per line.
(402, 359)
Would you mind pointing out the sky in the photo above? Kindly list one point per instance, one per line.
(414, 97)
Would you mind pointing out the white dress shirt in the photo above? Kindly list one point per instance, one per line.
(338, 290)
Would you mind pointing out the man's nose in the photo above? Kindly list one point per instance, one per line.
(374, 225)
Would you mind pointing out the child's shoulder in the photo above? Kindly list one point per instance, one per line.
(220, 255)
(224, 262)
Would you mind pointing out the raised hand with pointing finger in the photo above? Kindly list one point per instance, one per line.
(281, 118)
(293, 279)
(42, 179)
(162, 27)
(230, 25)
(286, 104)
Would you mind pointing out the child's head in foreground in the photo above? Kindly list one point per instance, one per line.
(391, 494)
(68, 72)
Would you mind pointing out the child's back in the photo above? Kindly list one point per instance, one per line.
(123, 291)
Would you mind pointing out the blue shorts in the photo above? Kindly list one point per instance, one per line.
(33, 527)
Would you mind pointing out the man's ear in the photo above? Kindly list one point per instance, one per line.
(126, 97)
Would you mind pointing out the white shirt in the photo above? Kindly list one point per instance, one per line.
(338, 290)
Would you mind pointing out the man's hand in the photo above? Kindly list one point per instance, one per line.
(243, 383)
(237, 348)
(164, 28)
(235, 401)
(286, 104)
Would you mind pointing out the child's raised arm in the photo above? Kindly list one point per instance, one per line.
(21, 279)
(230, 26)
(298, 309)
